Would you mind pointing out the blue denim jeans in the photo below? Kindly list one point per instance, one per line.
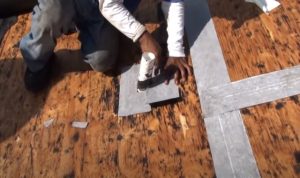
(52, 18)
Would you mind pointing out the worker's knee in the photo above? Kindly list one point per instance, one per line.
(101, 61)
(52, 17)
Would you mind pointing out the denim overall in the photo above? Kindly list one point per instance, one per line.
(52, 18)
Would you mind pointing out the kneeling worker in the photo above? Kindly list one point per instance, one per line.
(98, 22)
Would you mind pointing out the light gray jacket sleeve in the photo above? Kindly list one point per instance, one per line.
(115, 12)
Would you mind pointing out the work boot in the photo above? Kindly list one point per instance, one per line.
(37, 81)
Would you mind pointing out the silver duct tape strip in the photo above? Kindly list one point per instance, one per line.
(251, 91)
(218, 147)
(205, 49)
(132, 102)
(210, 70)
(162, 92)
(227, 133)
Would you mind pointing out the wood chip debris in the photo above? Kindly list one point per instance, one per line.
(184, 125)
(80, 125)
(18, 139)
(48, 123)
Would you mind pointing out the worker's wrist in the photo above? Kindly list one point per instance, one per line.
(139, 32)
(143, 37)
(177, 53)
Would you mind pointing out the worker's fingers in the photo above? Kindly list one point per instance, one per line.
(167, 81)
(182, 74)
(168, 74)
(156, 70)
(189, 69)
(161, 63)
(167, 77)
(177, 77)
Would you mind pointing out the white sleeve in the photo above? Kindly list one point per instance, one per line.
(174, 14)
(115, 12)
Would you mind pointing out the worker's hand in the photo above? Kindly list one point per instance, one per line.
(149, 44)
(179, 68)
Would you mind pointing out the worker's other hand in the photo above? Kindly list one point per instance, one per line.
(179, 68)
(149, 44)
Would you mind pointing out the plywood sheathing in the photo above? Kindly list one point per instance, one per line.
(253, 42)
(274, 134)
(146, 145)
(169, 142)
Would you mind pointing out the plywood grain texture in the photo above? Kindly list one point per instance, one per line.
(168, 142)
(274, 134)
(227, 137)
(253, 42)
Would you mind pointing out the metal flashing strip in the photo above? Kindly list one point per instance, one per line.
(132, 102)
(204, 44)
(162, 92)
(251, 91)
(227, 137)
(227, 132)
